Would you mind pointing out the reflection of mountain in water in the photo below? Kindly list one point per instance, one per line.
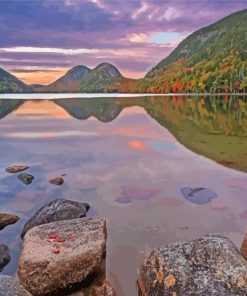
(104, 109)
(8, 106)
(215, 127)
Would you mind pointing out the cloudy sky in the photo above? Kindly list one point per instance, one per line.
(40, 40)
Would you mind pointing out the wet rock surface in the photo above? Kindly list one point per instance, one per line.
(9, 286)
(16, 168)
(207, 266)
(25, 178)
(7, 219)
(42, 271)
(56, 210)
(57, 181)
(4, 256)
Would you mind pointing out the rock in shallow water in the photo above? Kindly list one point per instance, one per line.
(4, 256)
(41, 271)
(56, 210)
(16, 168)
(207, 266)
(9, 286)
(57, 181)
(7, 219)
(26, 178)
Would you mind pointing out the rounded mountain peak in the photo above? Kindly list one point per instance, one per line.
(108, 69)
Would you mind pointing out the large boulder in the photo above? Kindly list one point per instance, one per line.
(207, 266)
(4, 256)
(62, 254)
(56, 210)
(7, 219)
(9, 286)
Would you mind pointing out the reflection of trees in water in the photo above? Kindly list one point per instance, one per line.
(8, 106)
(215, 115)
(213, 126)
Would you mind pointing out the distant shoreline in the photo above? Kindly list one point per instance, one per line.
(43, 96)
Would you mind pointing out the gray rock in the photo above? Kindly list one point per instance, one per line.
(26, 178)
(16, 168)
(207, 266)
(42, 271)
(7, 219)
(4, 256)
(9, 286)
(56, 210)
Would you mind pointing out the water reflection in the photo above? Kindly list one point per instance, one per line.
(214, 126)
(126, 163)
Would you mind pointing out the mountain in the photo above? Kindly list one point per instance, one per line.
(212, 59)
(10, 84)
(70, 82)
(103, 78)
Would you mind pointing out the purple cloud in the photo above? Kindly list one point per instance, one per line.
(121, 32)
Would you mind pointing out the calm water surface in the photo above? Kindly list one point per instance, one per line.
(140, 151)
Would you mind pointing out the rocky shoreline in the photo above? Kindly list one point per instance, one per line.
(63, 254)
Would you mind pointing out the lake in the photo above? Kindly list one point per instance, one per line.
(128, 158)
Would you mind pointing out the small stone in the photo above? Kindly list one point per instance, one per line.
(57, 181)
(26, 178)
(123, 199)
(7, 219)
(16, 168)
(105, 289)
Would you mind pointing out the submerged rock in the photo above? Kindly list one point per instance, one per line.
(7, 219)
(41, 271)
(57, 181)
(199, 196)
(207, 266)
(26, 178)
(56, 210)
(4, 256)
(16, 168)
(9, 286)
(123, 199)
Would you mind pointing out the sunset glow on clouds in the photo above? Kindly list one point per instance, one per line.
(40, 40)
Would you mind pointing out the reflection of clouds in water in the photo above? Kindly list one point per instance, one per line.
(47, 134)
(137, 145)
(161, 145)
